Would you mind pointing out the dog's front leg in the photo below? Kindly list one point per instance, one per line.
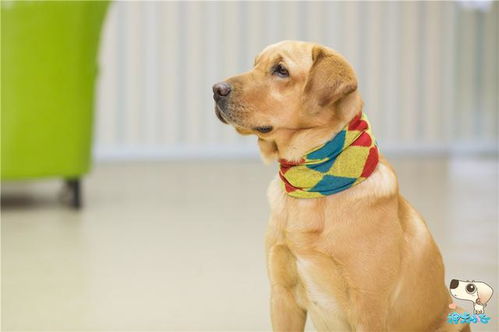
(286, 315)
(478, 308)
(368, 315)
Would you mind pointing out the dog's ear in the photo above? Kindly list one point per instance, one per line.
(484, 292)
(330, 78)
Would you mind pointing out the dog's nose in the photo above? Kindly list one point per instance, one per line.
(221, 89)
(454, 283)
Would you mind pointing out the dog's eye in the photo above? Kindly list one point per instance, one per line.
(280, 71)
(470, 288)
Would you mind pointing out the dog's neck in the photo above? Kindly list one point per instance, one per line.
(293, 144)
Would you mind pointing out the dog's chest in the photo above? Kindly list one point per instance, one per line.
(314, 282)
(295, 231)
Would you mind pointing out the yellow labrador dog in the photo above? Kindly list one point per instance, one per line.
(357, 258)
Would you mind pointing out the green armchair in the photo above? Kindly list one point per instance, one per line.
(48, 74)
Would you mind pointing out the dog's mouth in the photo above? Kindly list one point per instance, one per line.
(218, 112)
(263, 129)
(226, 118)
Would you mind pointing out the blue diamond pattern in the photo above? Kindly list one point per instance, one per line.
(331, 184)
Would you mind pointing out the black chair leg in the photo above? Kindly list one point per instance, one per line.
(74, 188)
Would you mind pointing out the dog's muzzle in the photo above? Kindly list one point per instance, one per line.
(221, 93)
(221, 90)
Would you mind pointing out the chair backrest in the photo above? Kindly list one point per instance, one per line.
(49, 66)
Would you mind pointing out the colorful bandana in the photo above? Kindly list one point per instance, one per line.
(344, 161)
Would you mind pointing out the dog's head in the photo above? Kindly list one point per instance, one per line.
(293, 86)
(475, 291)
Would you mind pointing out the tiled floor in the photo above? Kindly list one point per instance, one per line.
(179, 245)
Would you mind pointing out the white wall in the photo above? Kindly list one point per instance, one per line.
(428, 71)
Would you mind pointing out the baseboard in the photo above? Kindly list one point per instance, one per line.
(104, 154)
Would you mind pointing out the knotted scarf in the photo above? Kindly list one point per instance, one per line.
(344, 161)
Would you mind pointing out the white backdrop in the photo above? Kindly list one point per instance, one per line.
(428, 71)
